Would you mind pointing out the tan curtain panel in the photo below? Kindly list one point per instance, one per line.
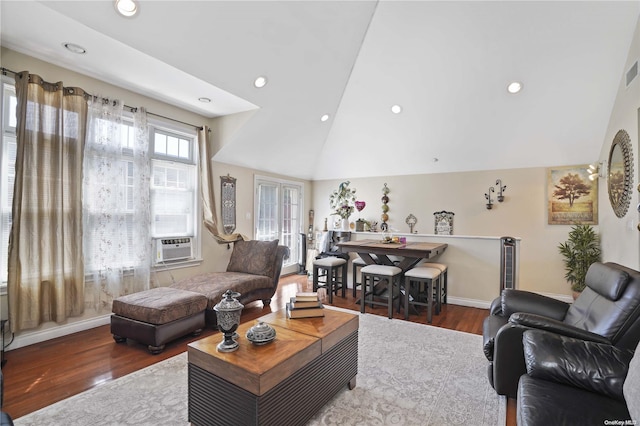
(206, 191)
(46, 271)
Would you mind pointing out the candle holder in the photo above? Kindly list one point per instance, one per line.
(228, 312)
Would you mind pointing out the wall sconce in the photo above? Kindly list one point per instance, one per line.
(596, 170)
(501, 189)
(487, 195)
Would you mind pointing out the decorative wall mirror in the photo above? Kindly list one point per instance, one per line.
(620, 173)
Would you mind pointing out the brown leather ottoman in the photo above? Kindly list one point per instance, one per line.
(157, 316)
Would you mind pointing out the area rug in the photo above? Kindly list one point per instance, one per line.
(408, 374)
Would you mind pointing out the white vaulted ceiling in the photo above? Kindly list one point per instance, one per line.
(446, 63)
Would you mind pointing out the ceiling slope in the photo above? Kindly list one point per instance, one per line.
(446, 63)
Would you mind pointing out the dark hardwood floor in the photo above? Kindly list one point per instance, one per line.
(41, 374)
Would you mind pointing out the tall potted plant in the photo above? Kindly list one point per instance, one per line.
(579, 252)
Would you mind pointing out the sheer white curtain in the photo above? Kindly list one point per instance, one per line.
(117, 244)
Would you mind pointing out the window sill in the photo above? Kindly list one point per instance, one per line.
(177, 265)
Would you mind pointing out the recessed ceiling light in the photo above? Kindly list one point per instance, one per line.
(324, 117)
(205, 100)
(260, 82)
(126, 8)
(514, 87)
(75, 48)
(396, 109)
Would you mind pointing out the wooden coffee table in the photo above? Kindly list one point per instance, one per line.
(283, 382)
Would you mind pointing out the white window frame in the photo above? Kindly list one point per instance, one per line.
(10, 132)
(187, 132)
(292, 265)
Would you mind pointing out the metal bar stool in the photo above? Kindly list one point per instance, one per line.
(443, 270)
(334, 270)
(424, 277)
(372, 274)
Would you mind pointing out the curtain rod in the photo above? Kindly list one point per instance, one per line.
(133, 109)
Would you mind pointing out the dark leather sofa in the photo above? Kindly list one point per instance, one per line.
(607, 311)
(576, 382)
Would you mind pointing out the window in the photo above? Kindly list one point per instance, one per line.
(172, 192)
(173, 184)
(7, 169)
(173, 180)
(277, 215)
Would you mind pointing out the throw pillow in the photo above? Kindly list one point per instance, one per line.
(253, 257)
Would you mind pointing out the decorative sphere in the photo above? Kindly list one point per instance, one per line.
(384, 217)
(385, 208)
(385, 199)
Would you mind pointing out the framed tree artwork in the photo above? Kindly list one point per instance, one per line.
(571, 197)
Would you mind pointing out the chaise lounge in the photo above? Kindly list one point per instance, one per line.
(157, 316)
(253, 271)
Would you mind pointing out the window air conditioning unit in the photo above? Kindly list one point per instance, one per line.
(169, 249)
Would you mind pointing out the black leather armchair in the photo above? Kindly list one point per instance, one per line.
(607, 311)
(575, 382)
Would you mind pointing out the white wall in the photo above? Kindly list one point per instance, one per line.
(523, 214)
(620, 238)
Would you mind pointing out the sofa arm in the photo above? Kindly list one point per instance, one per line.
(533, 303)
(496, 306)
(554, 326)
(596, 367)
(508, 359)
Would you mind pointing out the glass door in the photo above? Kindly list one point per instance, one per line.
(278, 216)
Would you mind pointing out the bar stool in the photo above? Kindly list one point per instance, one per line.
(443, 270)
(329, 268)
(355, 264)
(424, 277)
(372, 274)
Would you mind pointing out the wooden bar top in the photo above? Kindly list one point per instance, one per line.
(409, 249)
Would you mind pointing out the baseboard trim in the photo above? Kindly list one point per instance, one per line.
(31, 338)
(483, 304)
(472, 303)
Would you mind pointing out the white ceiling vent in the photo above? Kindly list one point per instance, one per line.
(632, 73)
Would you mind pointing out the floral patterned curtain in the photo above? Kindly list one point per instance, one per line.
(116, 204)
